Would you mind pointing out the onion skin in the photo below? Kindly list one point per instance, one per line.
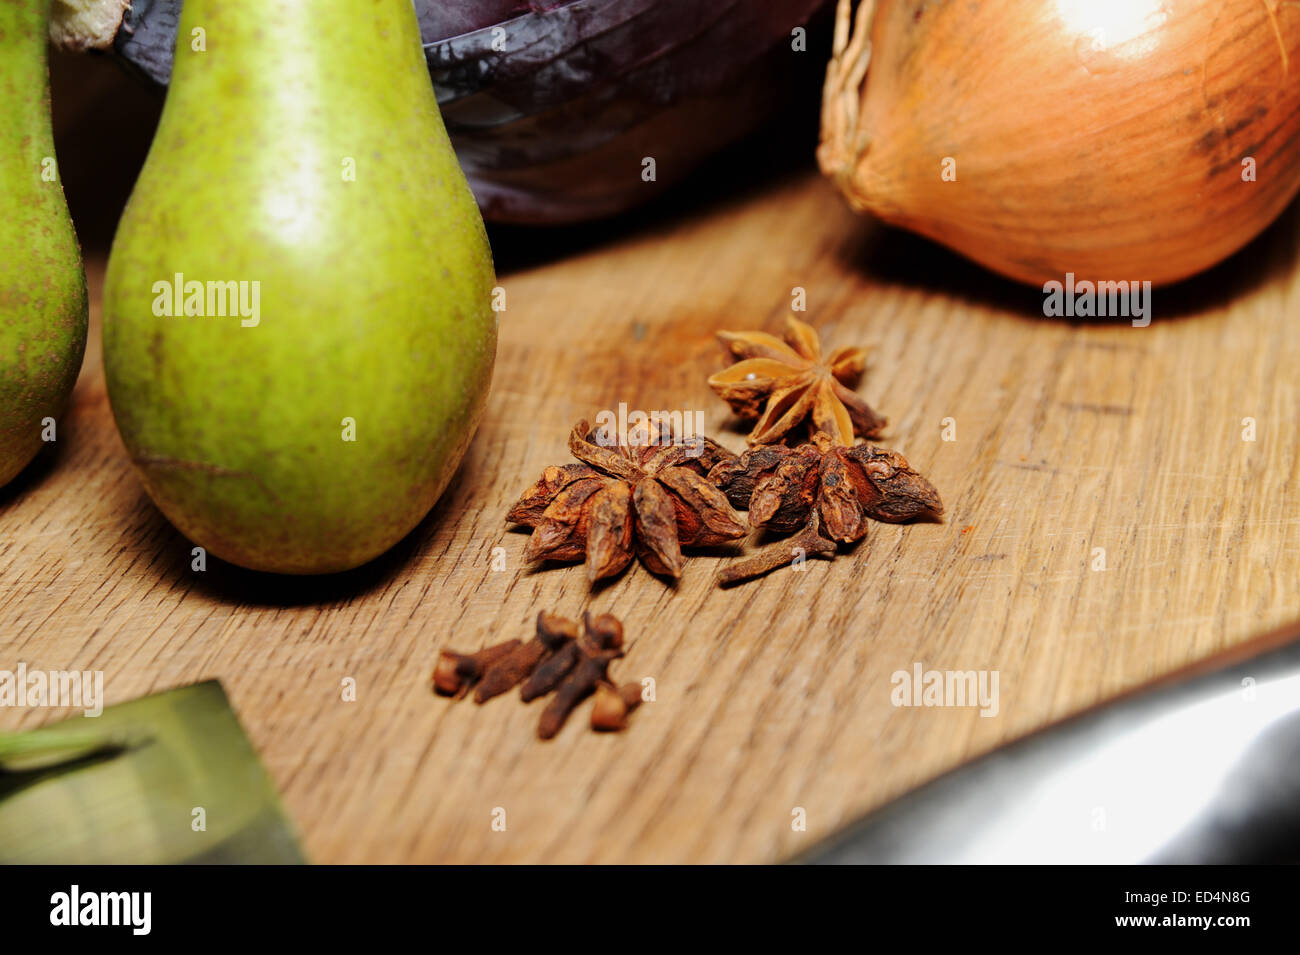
(1115, 155)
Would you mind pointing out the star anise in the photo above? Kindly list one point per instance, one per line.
(788, 384)
(781, 487)
(649, 500)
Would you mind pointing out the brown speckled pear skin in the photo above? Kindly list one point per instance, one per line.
(300, 149)
(42, 285)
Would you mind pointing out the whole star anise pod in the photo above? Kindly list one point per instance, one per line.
(781, 487)
(788, 384)
(649, 500)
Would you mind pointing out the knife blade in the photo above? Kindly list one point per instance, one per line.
(1200, 767)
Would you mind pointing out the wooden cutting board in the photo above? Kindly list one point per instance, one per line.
(1106, 523)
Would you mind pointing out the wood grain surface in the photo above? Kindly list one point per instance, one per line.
(771, 697)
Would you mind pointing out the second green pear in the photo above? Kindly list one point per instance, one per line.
(42, 286)
(298, 334)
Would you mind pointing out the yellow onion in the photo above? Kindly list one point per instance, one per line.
(1138, 140)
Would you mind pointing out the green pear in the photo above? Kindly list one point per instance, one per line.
(299, 333)
(42, 285)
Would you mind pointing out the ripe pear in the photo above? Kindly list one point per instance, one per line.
(42, 284)
(299, 333)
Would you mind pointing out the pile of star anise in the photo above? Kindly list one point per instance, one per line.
(804, 474)
(649, 500)
(558, 659)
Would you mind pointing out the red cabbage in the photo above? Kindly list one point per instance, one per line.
(553, 105)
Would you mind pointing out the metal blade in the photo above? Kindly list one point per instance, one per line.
(1203, 767)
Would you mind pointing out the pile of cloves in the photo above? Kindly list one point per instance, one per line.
(559, 659)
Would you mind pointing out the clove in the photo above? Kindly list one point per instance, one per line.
(577, 686)
(571, 661)
(602, 632)
(553, 632)
(610, 710)
(457, 672)
(550, 672)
